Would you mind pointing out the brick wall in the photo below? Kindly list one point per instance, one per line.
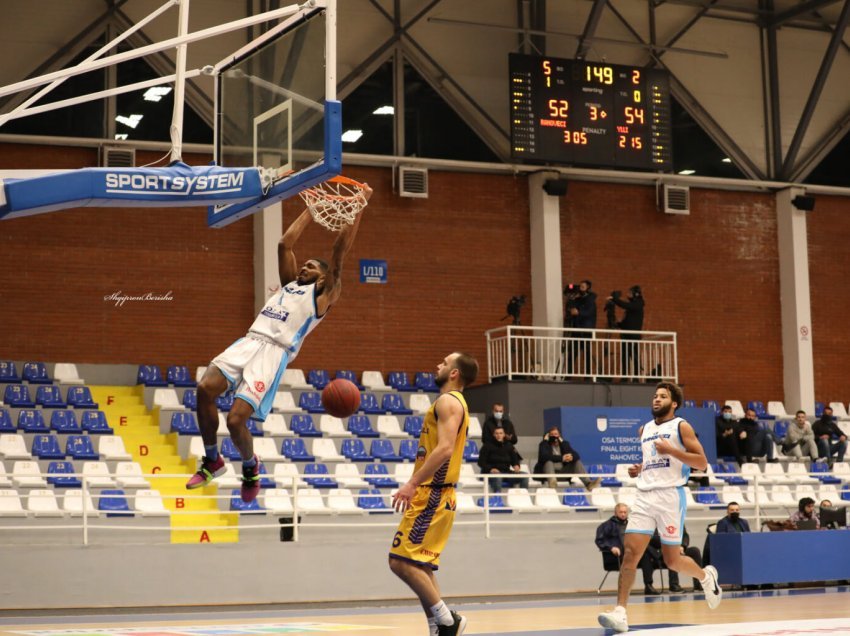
(454, 260)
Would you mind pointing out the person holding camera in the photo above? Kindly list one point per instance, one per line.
(632, 321)
(580, 313)
(555, 455)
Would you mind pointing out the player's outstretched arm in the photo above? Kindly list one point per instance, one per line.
(693, 455)
(343, 243)
(286, 263)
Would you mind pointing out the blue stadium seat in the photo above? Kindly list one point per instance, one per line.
(184, 423)
(319, 378)
(295, 450)
(80, 398)
(577, 498)
(707, 496)
(254, 428)
(237, 505)
(690, 404)
(9, 372)
(392, 403)
(35, 373)
(50, 397)
(150, 375)
(470, 451)
(6, 424)
(266, 481)
(114, 503)
(346, 374)
(311, 401)
(761, 412)
(722, 472)
(382, 449)
(179, 376)
(369, 499)
(354, 450)
(323, 480)
(495, 502)
(369, 404)
(94, 422)
(18, 396)
(407, 449)
(303, 426)
(711, 404)
(378, 476)
(65, 422)
(32, 421)
(47, 447)
(413, 425)
(399, 381)
(190, 399)
(780, 429)
(819, 409)
(62, 468)
(845, 493)
(229, 450)
(821, 472)
(601, 469)
(224, 402)
(361, 426)
(80, 447)
(426, 382)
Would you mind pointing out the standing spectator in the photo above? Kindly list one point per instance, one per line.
(580, 314)
(632, 321)
(498, 418)
(759, 441)
(727, 432)
(609, 540)
(500, 457)
(800, 439)
(825, 431)
(555, 455)
(805, 512)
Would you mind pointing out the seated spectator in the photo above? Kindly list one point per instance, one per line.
(800, 439)
(687, 549)
(759, 440)
(609, 540)
(732, 522)
(805, 511)
(826, 503)
(830, 439)
(500, 456)
(727, 432)
(555, 455)
(496, 419)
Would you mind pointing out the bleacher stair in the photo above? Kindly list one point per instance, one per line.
(157, 453)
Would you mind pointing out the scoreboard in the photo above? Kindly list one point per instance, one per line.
(589, 114)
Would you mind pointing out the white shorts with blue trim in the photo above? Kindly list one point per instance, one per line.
(253, 368)
(662, 509)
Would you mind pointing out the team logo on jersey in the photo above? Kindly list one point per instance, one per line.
(671, 529)
(421, 452)
(259, 386)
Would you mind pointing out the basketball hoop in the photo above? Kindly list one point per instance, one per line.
(335, 202)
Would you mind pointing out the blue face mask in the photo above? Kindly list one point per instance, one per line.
(727, 416)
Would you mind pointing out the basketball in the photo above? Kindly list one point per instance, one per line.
(341, 398)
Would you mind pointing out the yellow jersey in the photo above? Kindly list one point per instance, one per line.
(449, 472)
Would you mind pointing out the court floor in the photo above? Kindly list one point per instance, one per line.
(785, 612)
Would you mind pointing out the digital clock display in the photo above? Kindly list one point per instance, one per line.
(589, 114)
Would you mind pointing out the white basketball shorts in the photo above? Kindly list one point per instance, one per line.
(662, 509)
(253, 368)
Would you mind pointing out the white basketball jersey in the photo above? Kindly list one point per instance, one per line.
(661, 471)
(289, 315)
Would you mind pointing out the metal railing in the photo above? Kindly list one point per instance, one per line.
(547, 353)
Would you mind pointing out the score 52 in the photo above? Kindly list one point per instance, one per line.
(558, 108)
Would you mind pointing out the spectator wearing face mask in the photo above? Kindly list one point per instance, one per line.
(498, 419)
(728, 435)
(732, 522)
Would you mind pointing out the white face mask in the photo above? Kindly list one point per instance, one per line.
(498, 415)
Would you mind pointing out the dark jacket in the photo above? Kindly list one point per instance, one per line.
(751, 427)
(491, 424)
(633, 320)
(498, 455)
(726, 525)
(824, 427)
(720, 425)
(586, 306)
(546, 454)
(609, 534)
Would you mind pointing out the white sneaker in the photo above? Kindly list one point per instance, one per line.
(711, 588)
(615, 619)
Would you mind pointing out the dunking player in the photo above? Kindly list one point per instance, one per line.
(670, 449)
(252, 366)
(428, 499)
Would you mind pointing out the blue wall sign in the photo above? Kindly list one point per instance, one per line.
(372, 271)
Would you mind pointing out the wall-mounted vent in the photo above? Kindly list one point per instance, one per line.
(413, 182)
(115, 157)
(677, 199)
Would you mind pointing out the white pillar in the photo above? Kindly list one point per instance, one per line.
(268, 228)
(798, 362)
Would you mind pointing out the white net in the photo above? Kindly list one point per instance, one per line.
(335, 202)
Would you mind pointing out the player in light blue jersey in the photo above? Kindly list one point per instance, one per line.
(670, 449)
(252, 366)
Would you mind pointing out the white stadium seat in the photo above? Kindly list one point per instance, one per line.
(341, 501)
(737, 409)
(295, 379)
(325, 450)
(519, 500)
(267, 450)
(548, 499)
(419, 402)
(66, 373)
(73, 503)
(388, 426)
(777, 410)
(277, 500)
(474, 428)
(602, 498)
(167, 399)
(129, 475)
(13, 446)
(332, 426)
(627, 496)
(42, 503)
(284, 403)
(839, 411)
(199, 374)
(465, 504)
(27, 474)
(148, 503)
(10, 504)
(111, 447)
(275, 425)
(285, 473)
(781, 495)
(798, 474)
(309, 500)
(374, 381)
(97, 475)
(348, 475)
(229, 479)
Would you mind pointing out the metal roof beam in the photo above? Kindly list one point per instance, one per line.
(799, 10)
(590, 28)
